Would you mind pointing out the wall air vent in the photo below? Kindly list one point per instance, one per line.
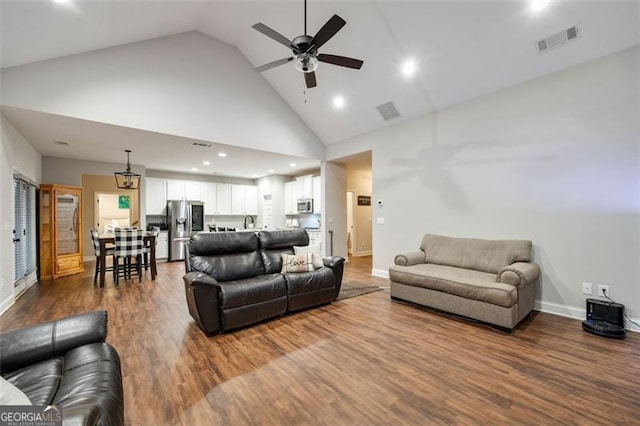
(558, 39)
(388, 111)
(204, 145)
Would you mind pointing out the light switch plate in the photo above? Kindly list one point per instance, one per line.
(380, 220)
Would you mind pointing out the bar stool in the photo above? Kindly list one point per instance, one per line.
(129, 243)
(155, 231)
(95, 238)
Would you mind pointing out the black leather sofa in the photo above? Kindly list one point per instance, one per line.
(67, 363)
(234, 279)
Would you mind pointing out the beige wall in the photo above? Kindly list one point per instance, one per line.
(360, 183)
(107, 184)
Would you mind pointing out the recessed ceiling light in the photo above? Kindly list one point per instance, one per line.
(538, 5)
(254, 175)
(193, 169)
(271, 170)
(222, 154)
(409, 68)
(206, 163)
(61, 1)
(338, 102)
(292, 164)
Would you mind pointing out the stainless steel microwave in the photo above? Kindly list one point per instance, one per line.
(305, 205)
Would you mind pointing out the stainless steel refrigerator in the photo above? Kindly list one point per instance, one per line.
(184, 218)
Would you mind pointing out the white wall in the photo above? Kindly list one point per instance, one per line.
(334, 208)
(360, 183)
(16, 155)
(188, 84)
(555, 160)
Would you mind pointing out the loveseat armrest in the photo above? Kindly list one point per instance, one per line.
(200, 278)
(28, 345)
(336, 264)
(519, 274)
(411, 258)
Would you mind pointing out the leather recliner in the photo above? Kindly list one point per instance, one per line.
(67, 363)
(234, 279)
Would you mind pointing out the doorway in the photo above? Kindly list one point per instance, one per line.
(111, 210)
(351, 230)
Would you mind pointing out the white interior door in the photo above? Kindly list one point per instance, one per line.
(351, 237)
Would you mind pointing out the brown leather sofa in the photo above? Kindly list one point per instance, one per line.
(234, 279)
(67, 363)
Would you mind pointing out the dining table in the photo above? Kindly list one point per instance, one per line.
(108, 238)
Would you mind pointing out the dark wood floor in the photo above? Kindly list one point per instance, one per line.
(364, 360)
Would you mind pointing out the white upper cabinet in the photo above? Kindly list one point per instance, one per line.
(210, 197)
(223, 194)
(184, 190)
(305, 186)
(244, 199)
(193, 191)
(175, 190)
(156, 198)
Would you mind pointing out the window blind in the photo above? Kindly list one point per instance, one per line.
(24, 230)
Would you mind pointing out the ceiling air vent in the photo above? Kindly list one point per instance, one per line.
(388, 111)
(558, 39)
(204, 145)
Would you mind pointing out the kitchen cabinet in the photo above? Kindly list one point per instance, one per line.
(210, 197)
(60, 231)
(317, 194)
(223, 199)
(305, 186)
(184, 190)
(156, 196)
(162, 246)
(244, 199)
(291, 195)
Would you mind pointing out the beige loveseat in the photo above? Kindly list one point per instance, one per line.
(488, 280)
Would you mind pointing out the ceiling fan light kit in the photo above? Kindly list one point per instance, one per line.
(305, 49)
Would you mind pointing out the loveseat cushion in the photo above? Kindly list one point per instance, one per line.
(461, 282)
(473, 253)
(252, 290)
(302, 282)
(38, 381)
(92, 378)
(273, 244)
(225, 256)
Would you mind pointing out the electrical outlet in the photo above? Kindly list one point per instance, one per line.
(602, 289)
(587, 288)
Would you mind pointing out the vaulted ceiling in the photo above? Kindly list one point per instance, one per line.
(460, 49)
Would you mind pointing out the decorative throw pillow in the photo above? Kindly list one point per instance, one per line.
(297, 263)
(316, 249)
(11, 395)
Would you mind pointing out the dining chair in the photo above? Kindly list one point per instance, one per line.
(155, 231)
(129, 244)
(95, 238)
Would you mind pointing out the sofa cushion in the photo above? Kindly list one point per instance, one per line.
(252, 290)
(38, 381)
(273, 244)
(473, 253)
(92, 378)
(225, 255)
(309, 281)
(461, 282)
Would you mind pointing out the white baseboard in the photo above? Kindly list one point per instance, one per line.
(6, 304)
(362, 253)
(576, 313)
(382, 273)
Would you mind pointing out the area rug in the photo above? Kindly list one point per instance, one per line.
(355, 288)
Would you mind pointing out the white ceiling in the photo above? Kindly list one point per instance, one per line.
(463, 49)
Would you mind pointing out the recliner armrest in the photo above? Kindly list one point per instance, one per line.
(35, 343)
(332, 261)
(519, 274)
(411, 258)
(200, 278)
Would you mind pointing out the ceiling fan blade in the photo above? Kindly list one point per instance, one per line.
(341, 61)
(273, 64)
(273, 34)
(328, 30)
(310, 79)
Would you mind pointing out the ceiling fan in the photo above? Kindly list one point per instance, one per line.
(305, 48)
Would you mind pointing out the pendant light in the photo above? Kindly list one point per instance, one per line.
(127, 179)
